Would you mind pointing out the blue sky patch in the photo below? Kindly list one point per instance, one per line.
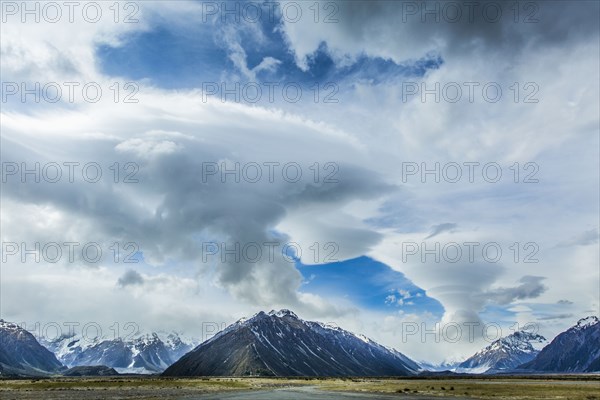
(368, 283)
(177, 57)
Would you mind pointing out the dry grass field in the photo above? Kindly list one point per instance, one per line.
(134, 387)
(480, 388)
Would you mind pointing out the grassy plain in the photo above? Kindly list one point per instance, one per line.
(150, 387)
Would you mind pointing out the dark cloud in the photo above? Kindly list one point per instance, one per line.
(556, 316)
(530, 288)
(130, 277)
(437, 229)
(489, 26)
(183, 208)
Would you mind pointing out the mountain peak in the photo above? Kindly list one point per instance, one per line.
(9, 325)
(520, 340)
(505, 353)
(283, 313)
(587, 322)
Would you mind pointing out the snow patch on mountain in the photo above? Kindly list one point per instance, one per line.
(587, 322)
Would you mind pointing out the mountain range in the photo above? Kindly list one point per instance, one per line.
(281, 344)
(145, 354)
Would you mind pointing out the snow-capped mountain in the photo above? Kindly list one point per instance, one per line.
(575, 350)
(446, 365)
(22, 354)
(281, 344)
(504, 354)
(149, 353)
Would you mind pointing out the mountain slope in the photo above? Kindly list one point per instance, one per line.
(145, 354)
(575, 350)
(281, 344)
(21, 354)
(504, 354)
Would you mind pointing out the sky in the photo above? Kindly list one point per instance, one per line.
(405, 170)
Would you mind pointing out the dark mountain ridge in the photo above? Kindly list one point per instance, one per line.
(575, 350)
(22, 355)
(281, 344)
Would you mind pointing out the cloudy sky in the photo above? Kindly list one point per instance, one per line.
(386, 166)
